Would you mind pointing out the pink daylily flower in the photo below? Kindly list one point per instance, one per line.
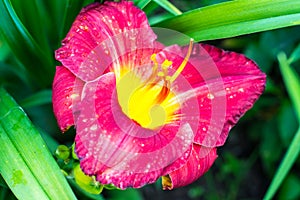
(142, 110)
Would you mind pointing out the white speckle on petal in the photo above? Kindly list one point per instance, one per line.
(94, 127)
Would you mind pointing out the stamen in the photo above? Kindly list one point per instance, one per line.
(166, 64)
(154, 69)
(153, 58)
(184, 62)
(160, 74)
(163, 94)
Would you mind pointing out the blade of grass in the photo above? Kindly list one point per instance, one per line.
(168, 7)
(292, 83)
(235, 18)
(26, 164)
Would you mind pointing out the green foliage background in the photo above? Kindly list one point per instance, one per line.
(260, 158)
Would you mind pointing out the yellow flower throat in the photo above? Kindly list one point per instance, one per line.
(150, 103)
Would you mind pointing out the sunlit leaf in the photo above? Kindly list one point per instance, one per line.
(26, 164)
(235, 18)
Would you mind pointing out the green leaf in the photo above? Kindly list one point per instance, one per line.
(142, 3)
(287, 123)
(4, 50)
(26, 164)
(159, 17)
(295, 56)
(292, 83)
(82, 194)
(151, 8)
(168, 6)
(290, 188)
(40, 98)
(235, 18)
(32, 15)
(285, 166)
(129, 193)
(24, 47)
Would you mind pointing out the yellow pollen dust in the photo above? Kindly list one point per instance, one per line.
(150, 103)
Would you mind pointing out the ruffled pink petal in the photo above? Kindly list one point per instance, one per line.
(63, 96)
(243, 83)
(101, 33)
(116, 149)
(226, 85)
(195, 167)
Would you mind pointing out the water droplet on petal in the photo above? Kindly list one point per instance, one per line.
(210, 96)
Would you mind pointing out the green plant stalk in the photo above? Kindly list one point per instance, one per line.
(26, 164)
(235, 18)
(292, 83)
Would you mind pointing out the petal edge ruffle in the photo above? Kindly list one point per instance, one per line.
(62, 97)
(195, 167)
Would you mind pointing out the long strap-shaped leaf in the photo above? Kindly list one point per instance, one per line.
(25, 162)
(235, 18)
(38, 63)
(292, 83)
